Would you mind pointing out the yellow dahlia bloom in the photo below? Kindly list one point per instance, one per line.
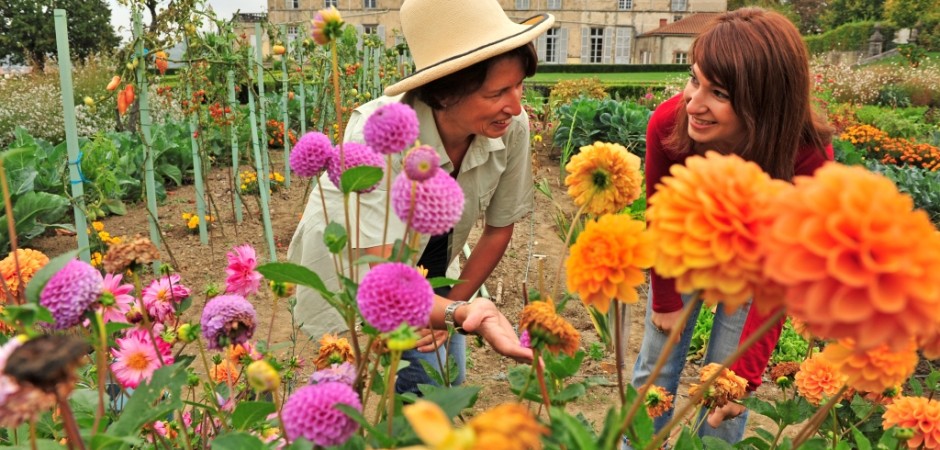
(510, 426)
(706, 219)
(818, 379)
(547, 328)
(919, 414)
(658, 401)
(333, 350)
(726, 388)
(858, 261)
(29, 261)
(434, 428)
(872, 370)
(605, 177)
(607, 260)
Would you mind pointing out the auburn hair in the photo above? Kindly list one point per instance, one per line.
(760, 58)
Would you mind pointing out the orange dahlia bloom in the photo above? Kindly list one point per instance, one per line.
(547, 328)
(930, 345)
(872, 370)
(919, 414)
(607, 260)
(510, 426)
(30, 261)
(333, 350)
(605, 177)
(705, 218)
(434, 428)
(818, 379)
(858, 260)
(658, 401)
(224, 372)
(726, 388)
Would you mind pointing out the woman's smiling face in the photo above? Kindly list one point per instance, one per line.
(712, 121)
(490, 109)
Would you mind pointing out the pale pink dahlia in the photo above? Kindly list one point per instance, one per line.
(421, 163)
(162, 296)
(227, 320)
(311, 413)
(435, 206)
(391, 128)
(242, 279)
(70, 292)
(354, 155)
(340, 373)
(135, 358)
(392, 293)
(115, 300)
(312, 154)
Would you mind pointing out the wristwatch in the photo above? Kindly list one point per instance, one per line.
(449, 316)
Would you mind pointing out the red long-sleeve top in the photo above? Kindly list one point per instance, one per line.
(666, 299)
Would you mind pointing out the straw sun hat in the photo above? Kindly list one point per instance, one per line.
(445, 36)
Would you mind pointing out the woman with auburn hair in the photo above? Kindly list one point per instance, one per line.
(748, 94)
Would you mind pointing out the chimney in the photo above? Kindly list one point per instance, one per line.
(662, 22)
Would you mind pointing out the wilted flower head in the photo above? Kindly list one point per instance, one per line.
(395, 293)
(605, 177)
(705, 218)
(311, 413)
(818, 379)
(727, 387)
(227, 319)
(872, 370)
(162, 295)
(547, 328)
(922, 415)
(19, 401)
(327, 26)
(333, 350)
(242, 279)
(354, 155)
(71, 292)
(608, 259)
(312, 154)
(858, 261)
(658, 401)
(129, 255)
(509, 426)
(431, 206)
(340, 373)
(391, 128)
(421, 163)
(783, 372)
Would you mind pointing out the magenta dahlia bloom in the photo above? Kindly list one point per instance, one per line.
(115, 300)
(392, 293)
(71, 292)
(354, 155)
(311, 413)
(421, 163)
(242, 278)
(135, 359)
(341, 373)
(312, 154)
(162, 296)
(227, 320)
(391, 128)
(437, 203)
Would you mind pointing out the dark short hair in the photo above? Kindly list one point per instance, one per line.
(466, 81)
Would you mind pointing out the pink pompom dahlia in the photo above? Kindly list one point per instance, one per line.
(391, 128)
(421, 163)
(71, 292)
(354, 155)
(312, 154)
(392, 293)
(242, 278)
(311, 413)
(435, 206)
(227, 320)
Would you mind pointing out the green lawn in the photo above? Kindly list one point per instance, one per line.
(932, 60)
(612, 78)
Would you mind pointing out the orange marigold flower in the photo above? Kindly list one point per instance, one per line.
(726, 388)
(510, 426)
(547, 328)
(333, 350)
(604, 177)
(29, 261)
(224, 372)
(658, 401)
(607, 260)
(919, 414)
(858, 261)
(706, 218)
(818, 379)
(872, 370)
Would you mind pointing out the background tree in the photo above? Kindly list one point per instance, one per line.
(906, 13)
(808, 14)
(839, 12)
(27, 30)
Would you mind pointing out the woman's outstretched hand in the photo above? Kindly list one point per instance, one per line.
(481, 317)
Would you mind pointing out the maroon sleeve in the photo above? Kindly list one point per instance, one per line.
(665, 297)
(752, 364)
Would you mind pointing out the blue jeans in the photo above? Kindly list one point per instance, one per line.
(724, 339)
(410, 377)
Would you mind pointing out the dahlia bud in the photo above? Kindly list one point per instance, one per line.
(262, 376)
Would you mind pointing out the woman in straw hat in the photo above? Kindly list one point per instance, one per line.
(470, 60)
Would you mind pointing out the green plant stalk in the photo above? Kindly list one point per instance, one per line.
(273, 314)
(540, 373)
(390, 388)
(145, 123)
(388, 197)
(102, 370)
(564, 253)
(284, 115)
(618, 352)
(361, 366)
(280, 417)
(197, 159)
(233, 137)
(259, 165)
(528, 380)
(68, 421)
(11, 228)
(566, 152)
(342, 153)
(813, 423)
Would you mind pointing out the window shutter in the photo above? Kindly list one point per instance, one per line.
(608, 44)
(540, 46)
(360, 33)
(585, 45)
(381, 33)
(562, 47)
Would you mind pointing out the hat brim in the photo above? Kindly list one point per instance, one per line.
(535, 26)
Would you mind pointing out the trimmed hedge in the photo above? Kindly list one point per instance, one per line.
(624, 91)
(611, 68)
(849, 37)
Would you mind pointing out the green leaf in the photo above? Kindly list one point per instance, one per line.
(248, 413)
(861, 442)
(688, 441)
(335, 237)
(39, 280)
(172, 172)
(761, 407)
(713, 443)
(453, 399)
(437, 282)
(385, 441)
(580, 436)
(152, 401)
(932, 379)
(432, 372)
(570, 393)
(28, 314)
(115, 206)
(359, 178)
(238, 440)
(370, 259)
(302, 443)
(103, 441)
(293, 273)
(754, 442)
(41, 444)
(564, 366)
(519, 378)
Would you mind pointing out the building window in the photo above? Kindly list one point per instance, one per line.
(368, 4)
(293, 4)
(370, 29)
(624, 5)
(680, 58)
(553, 4)
(551, 45)
(291, 33)
(596, 46)
(522, 4)
(622, 45)
(333, 3)
(680, 5)
(646, 57)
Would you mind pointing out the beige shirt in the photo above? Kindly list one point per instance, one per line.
(496, 178)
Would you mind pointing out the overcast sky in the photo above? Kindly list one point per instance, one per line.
(121, 16)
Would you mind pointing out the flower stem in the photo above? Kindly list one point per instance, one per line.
(68, 420)
(540, 373)
(102, 371)
(11, 229)
(618, 350)
(390, 388)
(388, 197)
(564, 252)
(273, 313)
(813, 423)
(277, 406)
